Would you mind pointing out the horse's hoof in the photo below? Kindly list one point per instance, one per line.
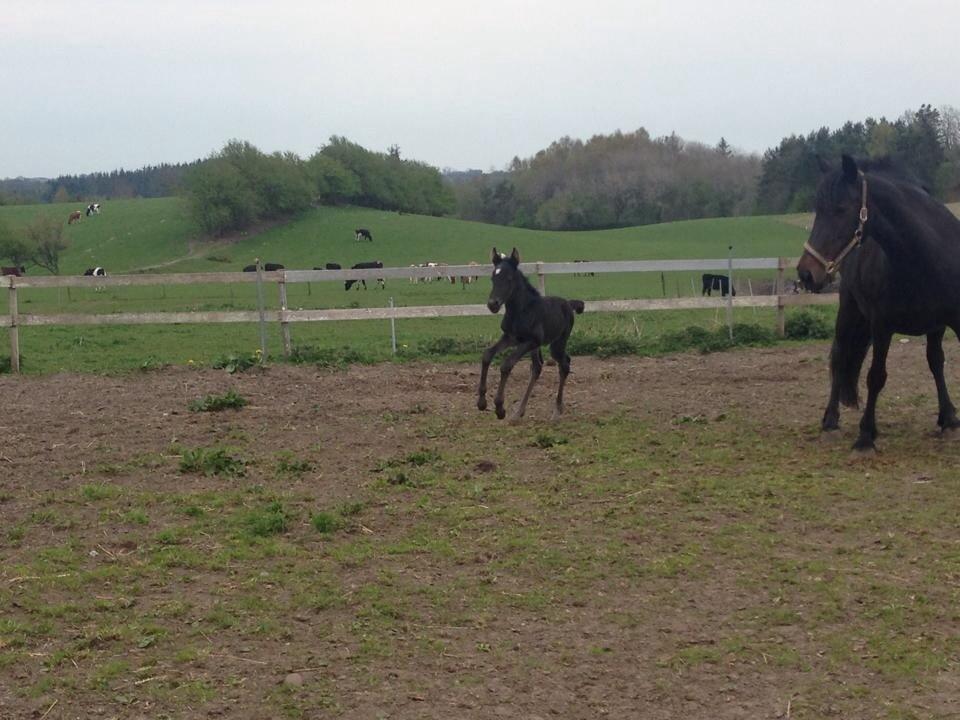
(501, 413)
(557, 415)
(482, 404)
(863, 448)
(950, 430)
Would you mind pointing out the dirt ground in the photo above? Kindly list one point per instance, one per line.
(408, 635)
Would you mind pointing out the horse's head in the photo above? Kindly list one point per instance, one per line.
(841, 211)
(506, 277)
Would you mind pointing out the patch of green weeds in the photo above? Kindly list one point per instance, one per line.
(212, 461)
(230, 400)
(236, 362)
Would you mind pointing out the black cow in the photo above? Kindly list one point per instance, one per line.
(365, 266)
(717, 282)
(95, 272)
(269, 267)
(363, 234)
(16, 271)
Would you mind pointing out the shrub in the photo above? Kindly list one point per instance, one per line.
(807, 325)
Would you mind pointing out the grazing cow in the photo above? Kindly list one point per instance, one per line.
(328, 266)
(585, 274)
(468, 279)
(717, 282)
(75, 216)
(363, 234)
(365, 266)
(93, 209)
(95, 272)
(16, 271)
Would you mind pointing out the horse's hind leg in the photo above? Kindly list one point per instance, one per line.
(536, 367)
(489, 354)
(558, 350)
(876, 379)
(947, 419)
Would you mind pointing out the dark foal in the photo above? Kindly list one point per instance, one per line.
(898, 250)
(529, 322)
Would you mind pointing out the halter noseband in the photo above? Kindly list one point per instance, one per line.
(831, 265)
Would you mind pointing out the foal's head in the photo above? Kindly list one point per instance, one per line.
(506, 279)
(840, 198)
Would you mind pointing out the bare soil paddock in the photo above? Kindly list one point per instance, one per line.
(683, 544)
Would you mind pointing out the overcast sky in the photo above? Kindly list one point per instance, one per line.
(101, 85)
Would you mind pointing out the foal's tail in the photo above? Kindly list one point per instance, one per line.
(576, 306)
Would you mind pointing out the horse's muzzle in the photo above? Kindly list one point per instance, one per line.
(809, 282)
(493, 306)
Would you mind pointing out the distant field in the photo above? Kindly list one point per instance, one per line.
(157, 236)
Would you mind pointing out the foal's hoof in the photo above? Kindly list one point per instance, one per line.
(557, 415)
(482, 404)
(501, 413)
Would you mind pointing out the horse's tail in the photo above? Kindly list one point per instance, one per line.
(850, 345)
(576, 306)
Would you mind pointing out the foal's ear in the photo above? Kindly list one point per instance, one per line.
(515, 257)
(823, 164)
(496, 255)
(850, 169)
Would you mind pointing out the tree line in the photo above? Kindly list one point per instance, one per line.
(241, 185)
(924, 143)
(615, 180)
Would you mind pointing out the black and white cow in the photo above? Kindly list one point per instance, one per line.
(93, 209)
(16, 271)
(365, 266)
(95, 272)
(363, 234)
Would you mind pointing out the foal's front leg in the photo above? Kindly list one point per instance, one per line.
(489, 354)
(505, 369)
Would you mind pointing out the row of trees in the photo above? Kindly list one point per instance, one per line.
(240, 185)
(150, 181)
(925, 143)
(613, 180)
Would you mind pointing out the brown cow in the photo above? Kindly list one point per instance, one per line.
(75, 216)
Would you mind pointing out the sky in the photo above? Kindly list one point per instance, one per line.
(102, 85)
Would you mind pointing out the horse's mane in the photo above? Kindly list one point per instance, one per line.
(530, 289)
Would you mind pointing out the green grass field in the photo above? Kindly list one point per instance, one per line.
(157, 236)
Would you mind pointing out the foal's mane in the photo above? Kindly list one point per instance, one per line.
(526, 286)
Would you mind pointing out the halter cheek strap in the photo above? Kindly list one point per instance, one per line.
(831, 266)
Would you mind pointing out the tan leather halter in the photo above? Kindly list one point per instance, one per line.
(831, 266)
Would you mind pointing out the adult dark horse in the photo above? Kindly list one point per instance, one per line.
(898, 251)
(717, 282)
(529, 322)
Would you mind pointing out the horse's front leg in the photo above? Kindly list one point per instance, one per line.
(850, 344)
(947, 418)
(506, 368)
(876, 379)
(489, 354)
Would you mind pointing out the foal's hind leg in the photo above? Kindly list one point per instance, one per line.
(536, 367)
(947, 419)
(505, 370)
(558, 350)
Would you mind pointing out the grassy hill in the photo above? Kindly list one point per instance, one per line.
(156, 236)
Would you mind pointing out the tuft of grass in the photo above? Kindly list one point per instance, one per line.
(212, 461)
(236, 362)
(270, 520)
(230, 400)
(325, 523)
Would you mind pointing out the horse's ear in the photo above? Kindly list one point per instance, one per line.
(496, 256)
(850, 169)
(515, 257)
(823, 164)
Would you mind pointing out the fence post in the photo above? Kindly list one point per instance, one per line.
(541, 279)
(14, 328)
(284, 325)
(781, 310)
(730, 293)
(393, 327)
(263, 319)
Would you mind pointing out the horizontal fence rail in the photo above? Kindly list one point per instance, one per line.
(15, 319)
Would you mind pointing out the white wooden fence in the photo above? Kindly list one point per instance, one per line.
(15, 319)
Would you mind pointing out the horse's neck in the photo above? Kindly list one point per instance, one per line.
(523, 297)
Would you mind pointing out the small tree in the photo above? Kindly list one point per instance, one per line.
(46, 241)
(13, 248)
